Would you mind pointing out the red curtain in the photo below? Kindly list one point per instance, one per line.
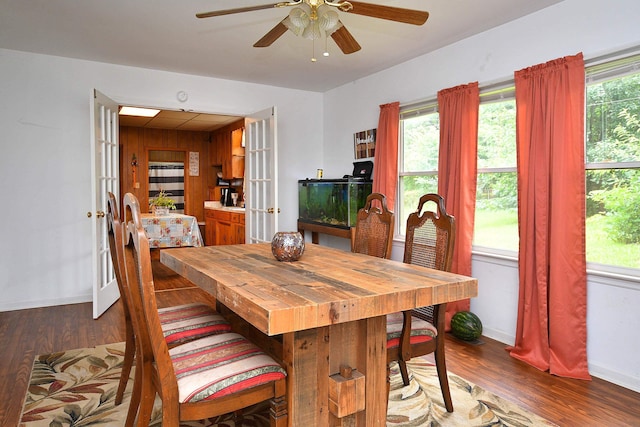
(457, 172)
(385, 170)
(551, 331)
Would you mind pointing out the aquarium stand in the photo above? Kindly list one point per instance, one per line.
(315, 229)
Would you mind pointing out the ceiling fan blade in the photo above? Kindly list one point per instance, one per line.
(273, 35)
(236, 10)
(345, 40)
(390, 13)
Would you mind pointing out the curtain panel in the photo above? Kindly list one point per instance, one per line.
(551, 332)
(385, 160)
(457, 173)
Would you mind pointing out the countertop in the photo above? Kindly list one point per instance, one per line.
(218, 206)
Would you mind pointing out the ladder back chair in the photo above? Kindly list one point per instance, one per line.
(180, 323)
(430, 237)
(373, 233)
(202, 378)
(115, 235)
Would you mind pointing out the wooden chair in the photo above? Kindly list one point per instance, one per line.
(202, 378)
(180, 323)
(115, 234)
(429, 242)
(373, 233)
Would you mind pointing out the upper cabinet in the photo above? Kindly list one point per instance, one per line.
(237, 154)
(227, 150)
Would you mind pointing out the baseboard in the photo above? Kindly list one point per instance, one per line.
(23, 305)
(615, 377)
(596, 371)
(498, 336)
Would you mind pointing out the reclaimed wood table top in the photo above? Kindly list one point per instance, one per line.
(326, 286)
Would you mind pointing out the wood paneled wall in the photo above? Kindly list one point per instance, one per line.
(139, 141)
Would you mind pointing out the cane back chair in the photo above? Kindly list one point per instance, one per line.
(430, 237)
(373, 233)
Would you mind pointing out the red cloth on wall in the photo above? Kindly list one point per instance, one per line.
(385, 169)
(551, 331)
(457, 173)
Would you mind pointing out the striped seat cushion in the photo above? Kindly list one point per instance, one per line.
(219, 365)
(421, 330)
(190, 321)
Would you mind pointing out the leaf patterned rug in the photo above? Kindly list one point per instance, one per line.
(77, 388)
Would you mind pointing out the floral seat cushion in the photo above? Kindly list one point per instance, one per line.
(187, 322)
(421, 330)
(219, 365)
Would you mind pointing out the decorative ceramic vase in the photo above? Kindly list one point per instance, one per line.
(287, 245)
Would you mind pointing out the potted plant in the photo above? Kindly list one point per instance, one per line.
(161, 204)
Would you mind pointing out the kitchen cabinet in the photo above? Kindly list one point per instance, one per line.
(228, 152)
(224, 227)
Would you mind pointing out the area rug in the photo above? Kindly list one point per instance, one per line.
(77, 388)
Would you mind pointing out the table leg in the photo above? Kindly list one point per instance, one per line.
(312, 356)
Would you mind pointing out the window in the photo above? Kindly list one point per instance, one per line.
(496, 206)
(419, 141)
(612, 134)
(613, 163)
(496, 221)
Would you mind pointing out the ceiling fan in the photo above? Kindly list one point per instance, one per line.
(314, 18)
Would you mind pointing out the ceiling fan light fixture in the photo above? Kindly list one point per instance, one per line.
(299, 18)
(327, 18)
(312, 31)
(318, 18)
(295, 30)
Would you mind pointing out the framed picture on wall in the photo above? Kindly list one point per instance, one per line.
(194, 163)
(364, 144)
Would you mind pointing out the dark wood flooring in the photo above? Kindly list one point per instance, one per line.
(27, 333)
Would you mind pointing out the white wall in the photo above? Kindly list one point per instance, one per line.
(45, 254)
(573, 26)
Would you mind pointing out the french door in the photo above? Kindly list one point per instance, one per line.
(261, 176)
(104, 176)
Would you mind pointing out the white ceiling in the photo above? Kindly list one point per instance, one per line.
(166, 35)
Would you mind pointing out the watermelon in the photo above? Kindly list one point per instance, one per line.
(466, 326)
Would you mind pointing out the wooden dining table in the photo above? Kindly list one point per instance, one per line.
(329, 311)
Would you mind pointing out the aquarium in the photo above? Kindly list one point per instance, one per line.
(332, 202)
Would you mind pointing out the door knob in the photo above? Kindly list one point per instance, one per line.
(271, 210)
(100, 214)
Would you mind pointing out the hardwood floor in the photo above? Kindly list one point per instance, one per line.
(27, 333)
